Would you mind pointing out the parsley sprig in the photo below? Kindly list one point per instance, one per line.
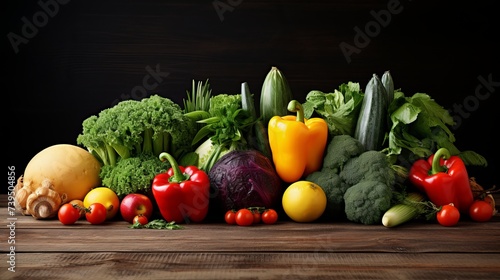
(157, 224)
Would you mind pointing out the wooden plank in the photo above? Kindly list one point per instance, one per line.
(417, 250)
(51, 236)
(274, 265)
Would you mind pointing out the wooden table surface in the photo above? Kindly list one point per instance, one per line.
(287, 250)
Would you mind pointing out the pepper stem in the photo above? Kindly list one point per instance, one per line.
(436, 161)
(295, 106)
(178, 175)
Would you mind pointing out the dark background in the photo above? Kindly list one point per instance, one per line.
(84, 56)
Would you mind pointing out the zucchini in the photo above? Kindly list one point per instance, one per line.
(389, 86)
(257, 136)
(275, 96)
(370, 128)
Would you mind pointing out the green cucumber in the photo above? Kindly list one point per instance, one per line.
(370, 128)
(275, 96)
(388, 85)
(257, 137)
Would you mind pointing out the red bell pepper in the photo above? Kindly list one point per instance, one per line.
(444, 179)
(182, 193)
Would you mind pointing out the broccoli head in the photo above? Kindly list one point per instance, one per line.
(370, 165)
(358, 183)
(331, 184)
(131, 128)
(133, 174)
(367, 201)
(340, 149)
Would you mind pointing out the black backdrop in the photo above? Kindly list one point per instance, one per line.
(66, 60)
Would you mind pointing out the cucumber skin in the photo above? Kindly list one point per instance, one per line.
(275, 96)
(388, 83)
(370, 128)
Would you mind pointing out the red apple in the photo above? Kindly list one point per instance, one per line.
(135, 204)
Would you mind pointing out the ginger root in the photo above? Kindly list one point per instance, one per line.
(21, 192)
(43, 203)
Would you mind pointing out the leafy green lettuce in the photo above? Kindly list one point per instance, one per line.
(420, 126)
(340, 108)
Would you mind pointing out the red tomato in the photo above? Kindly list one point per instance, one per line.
(244, 217)
(448, 215)
(96, 214)
(141, 219)
(270, 216)
(68, 214)
(480, 211)
(230, 217)
(256, 216)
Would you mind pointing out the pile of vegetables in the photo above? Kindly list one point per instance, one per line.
(358, 145)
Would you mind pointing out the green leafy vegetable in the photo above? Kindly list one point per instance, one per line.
(224, 129)
(340, 108)
(420, 126)
(157, 224)
(220, 102)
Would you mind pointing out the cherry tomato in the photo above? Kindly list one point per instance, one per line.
(96, 213)
(230, 217)
(244, 217)
(141, 219)
(68, 214)
(269, 216)
(480, 211)
(256, 216)
(448, 215)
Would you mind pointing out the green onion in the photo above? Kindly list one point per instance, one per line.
(199, 98)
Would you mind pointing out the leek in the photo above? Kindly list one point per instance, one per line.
(405, 211)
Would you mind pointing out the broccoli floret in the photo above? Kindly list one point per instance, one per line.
(370, 165)
(133, 174)
(340, 149)
(367, 201)
(331, 184)
(170, 130)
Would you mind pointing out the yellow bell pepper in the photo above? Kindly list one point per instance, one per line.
(297, 144)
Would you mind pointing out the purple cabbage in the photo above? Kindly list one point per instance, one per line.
(242, 179)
